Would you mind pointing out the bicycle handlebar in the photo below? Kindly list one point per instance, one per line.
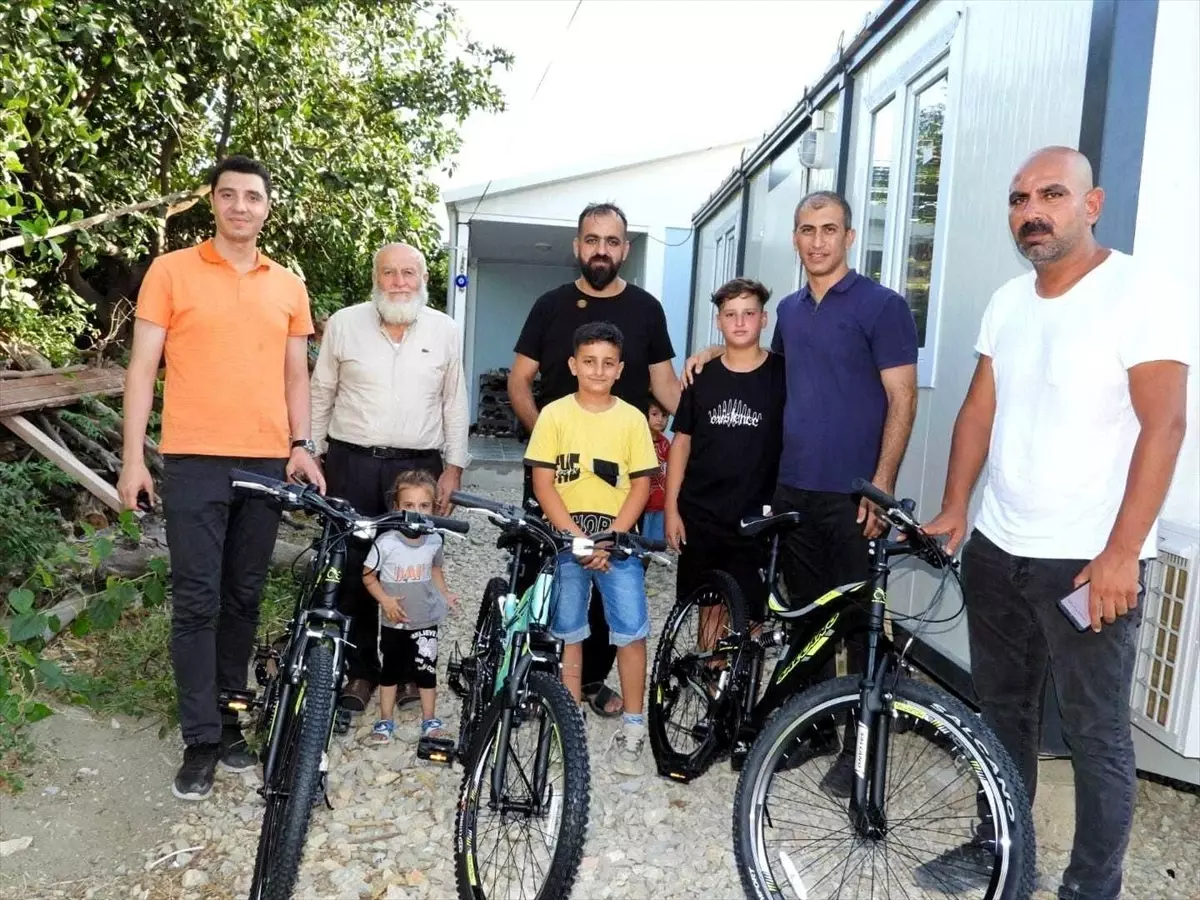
(306, 496)
(900, 514)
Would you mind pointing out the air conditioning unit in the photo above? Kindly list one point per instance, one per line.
(817, 149)
(1165, 700)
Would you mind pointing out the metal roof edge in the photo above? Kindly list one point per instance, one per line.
(885, 21)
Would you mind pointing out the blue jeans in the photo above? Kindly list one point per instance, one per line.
(654, 525)
(621, 588)
(1018, 637)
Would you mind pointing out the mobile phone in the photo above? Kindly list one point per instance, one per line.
(1076, 607)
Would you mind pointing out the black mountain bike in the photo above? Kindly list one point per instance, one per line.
(523, 807)
(935, 806)
(302, 680)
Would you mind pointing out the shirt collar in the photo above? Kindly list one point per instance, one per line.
(210, 254)
(841, 287)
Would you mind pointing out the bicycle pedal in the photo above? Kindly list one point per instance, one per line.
(230, 701)
(341, 721)
(436, 749)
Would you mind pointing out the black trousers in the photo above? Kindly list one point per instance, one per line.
(220, 549)
(365, 482)
(1018, 637)
(825, 550)
(598, 654)
(710, 547)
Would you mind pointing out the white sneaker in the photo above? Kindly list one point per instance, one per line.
(629, 742)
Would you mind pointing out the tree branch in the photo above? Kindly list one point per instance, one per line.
(79, 284)
(227, 118)
(93, 91)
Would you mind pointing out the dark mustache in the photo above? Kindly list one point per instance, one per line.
(599, 259)
(1036, 226)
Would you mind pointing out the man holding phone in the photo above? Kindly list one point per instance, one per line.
(1078, 406)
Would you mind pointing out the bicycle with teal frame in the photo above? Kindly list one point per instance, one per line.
(523, 807)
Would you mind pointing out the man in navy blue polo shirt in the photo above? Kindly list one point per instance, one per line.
(850, 351)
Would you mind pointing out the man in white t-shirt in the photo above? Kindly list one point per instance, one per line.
(1078, 407)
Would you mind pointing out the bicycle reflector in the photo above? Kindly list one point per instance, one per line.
(436, 749)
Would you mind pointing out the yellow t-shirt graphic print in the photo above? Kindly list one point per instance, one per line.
(594, 455)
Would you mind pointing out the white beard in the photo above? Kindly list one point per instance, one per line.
(399, 312)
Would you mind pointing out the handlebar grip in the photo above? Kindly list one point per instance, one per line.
(875, 495)
(456, 525)
(474, 501)
(254, 478)
(652, 545)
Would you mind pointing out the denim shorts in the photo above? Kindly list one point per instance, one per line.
(624, 593)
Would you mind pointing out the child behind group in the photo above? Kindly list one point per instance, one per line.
(652, 519)
(592, 458)
(405, 577)
(725, 456)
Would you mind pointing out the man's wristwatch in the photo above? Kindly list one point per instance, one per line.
(307, 445)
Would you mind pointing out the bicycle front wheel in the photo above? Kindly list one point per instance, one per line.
(956, 821)
(305, 715)
(527, 842)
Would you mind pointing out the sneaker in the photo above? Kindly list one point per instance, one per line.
(965, 868)
(382, 733)
(629, 742)
(236, 755)
(839, 780)
(194, 780)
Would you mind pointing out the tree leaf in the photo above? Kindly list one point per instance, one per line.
(21, 600)
(26, 626)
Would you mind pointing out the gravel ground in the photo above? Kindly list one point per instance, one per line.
(390, 833)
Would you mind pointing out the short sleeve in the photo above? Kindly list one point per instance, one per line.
(439, 556)
(661, 349)
(155, 301)
(685, 415)
(986, 343)
(1163, 327)
(643, 460)
(301, 324)
(893, 335)
(374, 558)
(531, 341)
(543, 443)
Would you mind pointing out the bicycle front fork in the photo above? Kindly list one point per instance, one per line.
(868, 807)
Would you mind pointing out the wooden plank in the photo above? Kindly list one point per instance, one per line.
(34, 373)
(56, 389)
(64, 459)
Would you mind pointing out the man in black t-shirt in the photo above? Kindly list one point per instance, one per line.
(725, 456)
(547, 342)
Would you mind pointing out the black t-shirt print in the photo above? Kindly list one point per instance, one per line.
(735, 420)
(549, 331)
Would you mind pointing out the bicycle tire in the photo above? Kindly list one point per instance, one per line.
(567, 721)
(948, 718)
(714, 746)
(486, 650)
(285, 822)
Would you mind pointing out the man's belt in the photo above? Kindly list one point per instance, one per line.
(386, 452)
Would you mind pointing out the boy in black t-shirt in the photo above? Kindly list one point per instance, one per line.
(725, 455)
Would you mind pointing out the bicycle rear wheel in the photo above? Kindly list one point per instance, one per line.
(485, 656)
(687, 729)
(957, 819)
(527, 843)
(305, 715)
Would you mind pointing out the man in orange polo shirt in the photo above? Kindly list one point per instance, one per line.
(234, 328)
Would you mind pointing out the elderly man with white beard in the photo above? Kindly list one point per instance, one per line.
(388, 396)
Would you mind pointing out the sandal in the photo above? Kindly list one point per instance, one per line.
(599, 700)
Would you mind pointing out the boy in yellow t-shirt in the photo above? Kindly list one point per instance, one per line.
(592, 458)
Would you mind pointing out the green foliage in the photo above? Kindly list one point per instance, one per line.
(353, 104)
(27, 674)
(29, 526)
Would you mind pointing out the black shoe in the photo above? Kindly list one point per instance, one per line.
(839, 780)
(967, 867)
(236, 755)
(194, 780)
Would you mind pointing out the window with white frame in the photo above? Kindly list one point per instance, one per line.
(900, 235)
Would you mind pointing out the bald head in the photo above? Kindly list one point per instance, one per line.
(401, 255)
(1052, 205)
